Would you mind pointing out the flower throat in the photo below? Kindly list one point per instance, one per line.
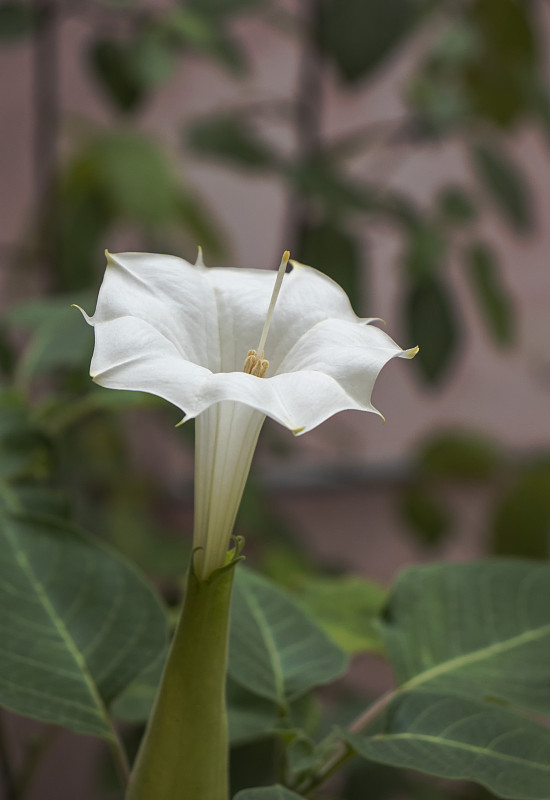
(255, 363)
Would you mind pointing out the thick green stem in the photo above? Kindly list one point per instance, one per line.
(184, 752)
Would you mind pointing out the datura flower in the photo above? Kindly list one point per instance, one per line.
(185, 332)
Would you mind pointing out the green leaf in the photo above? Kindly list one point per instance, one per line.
(276, 650)
(499, 77)
(198, 29)
(425, 251)
(249, 717)
(223, 7)
(135, 703)
(425, 514)
(431, 323)
(267, 793)
(459, 455)
(460, 738)
(494, 302)
(118, 71)
(505, 184)
(347, 609)
(455, 206)
(60, 337)
(16, 20)
(359, 35)
(521, 519)
(480, 630)
(230, 139)
(78, 624)
(320, 179)
(25, 453)
(336, 253)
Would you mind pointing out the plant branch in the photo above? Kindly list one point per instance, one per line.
(307, 118)
(344, 752)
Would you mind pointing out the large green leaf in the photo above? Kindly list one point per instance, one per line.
(267, 793)
(479, 630)
(455, 737)
(78, 624)
(347, 608)
(276, 650)
(505, 184)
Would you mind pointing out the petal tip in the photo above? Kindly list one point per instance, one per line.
(88, 319)
(199, 262)
(411, 352)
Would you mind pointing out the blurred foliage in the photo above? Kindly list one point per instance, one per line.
(65, 444)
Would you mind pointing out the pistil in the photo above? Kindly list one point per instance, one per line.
(255, 363)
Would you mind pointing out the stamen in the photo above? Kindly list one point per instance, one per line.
(255, 363)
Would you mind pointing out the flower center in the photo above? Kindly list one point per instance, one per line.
(255, 363)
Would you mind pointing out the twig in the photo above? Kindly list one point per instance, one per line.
(307, 118)
(344, 752)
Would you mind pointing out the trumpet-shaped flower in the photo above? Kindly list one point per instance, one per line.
(184, 332)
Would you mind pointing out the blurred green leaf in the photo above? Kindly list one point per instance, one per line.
(334, 251)
(498, 76)
(464, 739)
(117, 67)
(17, 20)
(78, 624)
(60, 338)
(521, 518)
(506, 185)
(276, 650)
(267, 793)
(198, 29)
(225, 7)
(459, 455)
(347, 609)
(494, 302)
(122, 176)
(359, 35)
(478, 630)
(425, 250)
(231, 139)
(455, 206)
(319, 179)
(424, 513)
(25, 453)
(431, 323)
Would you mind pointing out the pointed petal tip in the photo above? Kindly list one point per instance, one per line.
(200, 259)
(298, 431)
(411, 352)
(182, 421)
(88, 319)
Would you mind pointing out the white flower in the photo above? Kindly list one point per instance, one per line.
(183, 332)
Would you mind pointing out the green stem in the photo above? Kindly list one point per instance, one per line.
(184, 753)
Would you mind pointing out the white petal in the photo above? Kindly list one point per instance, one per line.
(170, 294)
(307, 296)
(131, 354)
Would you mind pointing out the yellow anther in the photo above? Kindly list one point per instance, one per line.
(255, 365)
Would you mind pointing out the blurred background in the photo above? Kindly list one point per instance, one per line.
(400, 146)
